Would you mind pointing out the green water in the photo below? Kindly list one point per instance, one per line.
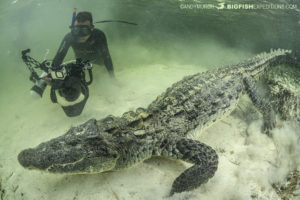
(167, 44)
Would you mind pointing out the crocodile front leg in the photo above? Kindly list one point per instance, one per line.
(192, 151)
(261, 104)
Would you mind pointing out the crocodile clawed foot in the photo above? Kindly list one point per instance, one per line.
(205, 165)
(192, 178)
(189, 180)
(204, 158)
(269, 123)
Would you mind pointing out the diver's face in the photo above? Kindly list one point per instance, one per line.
(85, 23)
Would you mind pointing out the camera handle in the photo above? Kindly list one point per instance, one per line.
(90, 78)
(88, 66)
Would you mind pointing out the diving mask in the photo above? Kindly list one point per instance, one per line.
(81, 30)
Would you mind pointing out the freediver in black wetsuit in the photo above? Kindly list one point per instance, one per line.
(87, 42)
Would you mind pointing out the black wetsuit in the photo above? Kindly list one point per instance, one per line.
(94, 49)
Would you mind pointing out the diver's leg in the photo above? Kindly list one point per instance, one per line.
(262, 104)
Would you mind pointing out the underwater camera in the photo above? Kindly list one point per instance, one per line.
(69, 87)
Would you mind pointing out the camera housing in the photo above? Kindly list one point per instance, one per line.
(69, 87)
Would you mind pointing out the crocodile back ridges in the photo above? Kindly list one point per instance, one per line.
(251, 66)
(262, 62)
(197, 101)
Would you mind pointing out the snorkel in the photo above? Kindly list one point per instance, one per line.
(73, 23)
(73, 16)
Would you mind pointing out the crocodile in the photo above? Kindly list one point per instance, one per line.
(167, 127)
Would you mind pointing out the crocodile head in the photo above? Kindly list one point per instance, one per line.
(83, 149)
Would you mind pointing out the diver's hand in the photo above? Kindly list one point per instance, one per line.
(48, 80)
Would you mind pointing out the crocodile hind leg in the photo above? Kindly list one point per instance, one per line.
(261, 104)
(204, 158)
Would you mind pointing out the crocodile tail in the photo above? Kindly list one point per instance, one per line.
(264, 61)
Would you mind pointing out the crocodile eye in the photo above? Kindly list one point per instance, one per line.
(115, 155)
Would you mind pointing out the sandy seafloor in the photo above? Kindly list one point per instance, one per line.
(249, 161)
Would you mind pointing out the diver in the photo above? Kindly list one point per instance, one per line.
(69, 86)
(87, 42)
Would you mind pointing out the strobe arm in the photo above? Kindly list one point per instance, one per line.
(24, 54)
(32, 63)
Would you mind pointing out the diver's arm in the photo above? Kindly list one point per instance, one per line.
(62, 51)
(106, 55)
